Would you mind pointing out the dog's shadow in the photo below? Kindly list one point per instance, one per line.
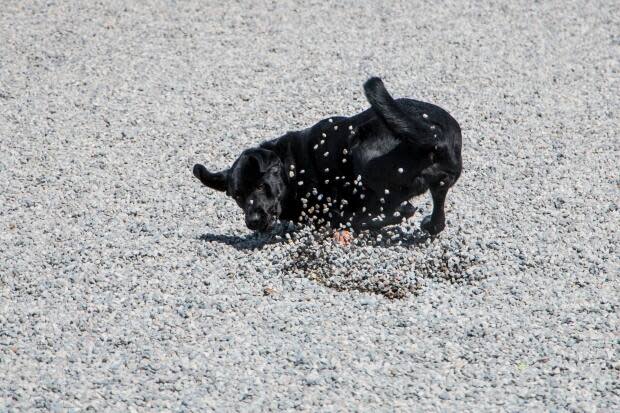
(241, 243)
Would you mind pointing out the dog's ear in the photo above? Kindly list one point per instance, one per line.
(251, 169)
(275, 166)
(217, 181)
(270, 162)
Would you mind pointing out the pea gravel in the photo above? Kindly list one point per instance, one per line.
(125, 285)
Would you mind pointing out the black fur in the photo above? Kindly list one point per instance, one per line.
(398, 149)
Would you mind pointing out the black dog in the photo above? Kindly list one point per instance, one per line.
(357, 172)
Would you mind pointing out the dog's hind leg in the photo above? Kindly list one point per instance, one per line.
(436, 222)
(439, 177)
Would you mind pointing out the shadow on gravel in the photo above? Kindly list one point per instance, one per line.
(249, 242)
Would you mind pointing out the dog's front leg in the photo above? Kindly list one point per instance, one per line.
(377, 212)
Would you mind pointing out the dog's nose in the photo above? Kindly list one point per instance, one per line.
(255, 222)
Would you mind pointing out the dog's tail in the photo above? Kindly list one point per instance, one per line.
(416, 132)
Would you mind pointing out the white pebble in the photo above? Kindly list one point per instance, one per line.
(316, 146)
(336, 127)
(324, 135)
(401, 170)
(331, 120)
(292, 166)
(387, 191)
(425, 116)
(325, 154)
(251, 202)
(300, 183)
(326, 169)
(396, 214)
(344, 151)
(350, 127)
(291, 174)
(326, 181)
(362, 196)
(344, 160)
(303, 171)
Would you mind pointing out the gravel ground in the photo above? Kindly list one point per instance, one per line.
(125, 284)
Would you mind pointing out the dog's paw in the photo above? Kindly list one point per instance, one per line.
(342, 237)
(407, 210)
(431, 227)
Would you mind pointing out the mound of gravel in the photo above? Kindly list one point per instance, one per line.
(126, 285)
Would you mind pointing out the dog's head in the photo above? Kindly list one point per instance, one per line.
(256, 181)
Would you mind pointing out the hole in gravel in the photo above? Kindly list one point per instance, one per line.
(394, 262)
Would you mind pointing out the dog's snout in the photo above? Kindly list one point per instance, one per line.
(255, 221)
